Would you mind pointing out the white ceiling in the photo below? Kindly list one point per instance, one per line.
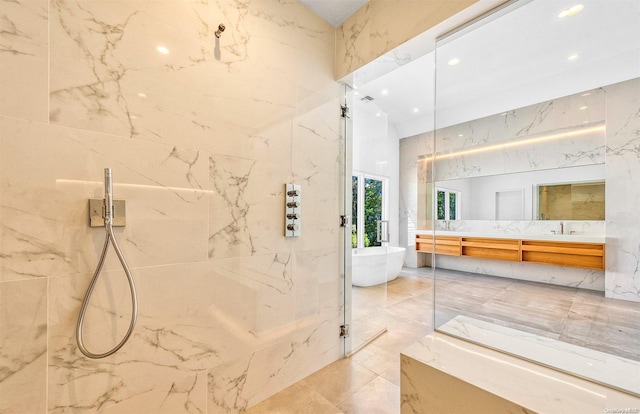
(334, 11)
(514, 60)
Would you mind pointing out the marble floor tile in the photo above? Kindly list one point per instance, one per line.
(377, 397)
(368, 381)
(339, 380)
(297, 399)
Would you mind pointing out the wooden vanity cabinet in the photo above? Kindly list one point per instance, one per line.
(557, 253)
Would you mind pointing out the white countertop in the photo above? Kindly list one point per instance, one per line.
(578, 238)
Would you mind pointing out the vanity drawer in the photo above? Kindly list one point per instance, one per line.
(447, 245)
(497, 249)
(582, 255)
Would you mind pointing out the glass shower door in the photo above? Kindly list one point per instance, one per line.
(366, 189)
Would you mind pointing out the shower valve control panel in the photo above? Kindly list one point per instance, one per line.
(292, 210)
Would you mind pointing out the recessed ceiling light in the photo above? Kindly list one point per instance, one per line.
(416, 110)
(573, 57)
(162, 50)
(453, 62)
(378, 114)
(461, 135)
(384, 91)
(356, 93)
(142, 95)
(582, 108)
(571, 11)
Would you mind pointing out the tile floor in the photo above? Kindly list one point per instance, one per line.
(577, 316)
(369, 381)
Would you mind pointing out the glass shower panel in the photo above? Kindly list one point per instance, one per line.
(370, 228)
(524, 99)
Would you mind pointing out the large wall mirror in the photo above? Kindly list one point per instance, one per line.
(539, 162)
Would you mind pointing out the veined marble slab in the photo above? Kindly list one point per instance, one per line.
(607, 369)
(531, 386)
(578, 238)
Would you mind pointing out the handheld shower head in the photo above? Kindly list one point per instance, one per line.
(108, 194)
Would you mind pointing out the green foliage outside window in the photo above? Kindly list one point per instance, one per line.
(354, 211)
(441, 206)
(372, 210)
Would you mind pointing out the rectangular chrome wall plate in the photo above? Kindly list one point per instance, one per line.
(292, 203)
(96, 213)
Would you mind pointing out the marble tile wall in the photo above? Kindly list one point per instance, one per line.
(201, 142)
(411, 217)
(622, 190)
(381, 26)
(552, 134)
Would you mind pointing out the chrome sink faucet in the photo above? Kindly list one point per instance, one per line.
(561, 229)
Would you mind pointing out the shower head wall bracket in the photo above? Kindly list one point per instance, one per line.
(96, 213)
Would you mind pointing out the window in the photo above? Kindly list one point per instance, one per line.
(448, 204)
(369, 206)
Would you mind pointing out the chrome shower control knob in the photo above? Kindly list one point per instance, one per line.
(293, 216)
(293, 204)
(292, 227)
(293, 193)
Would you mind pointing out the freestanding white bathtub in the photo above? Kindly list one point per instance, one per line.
(376, 265)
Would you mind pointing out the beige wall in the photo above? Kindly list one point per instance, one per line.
(201, 142)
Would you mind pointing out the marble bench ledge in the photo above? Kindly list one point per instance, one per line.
(486, 379)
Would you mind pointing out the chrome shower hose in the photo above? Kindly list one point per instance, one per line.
(110, 237)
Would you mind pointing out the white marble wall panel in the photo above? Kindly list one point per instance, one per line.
(258, 292)
(24, 45)
(242, 383)
(201, 142)
(532, 228)
(533, 122)
(162, 367)
(180, 334)
(562, 276)
(318, 271)
(623, 191)
(413, 194)
(380, 26)
(251, 50)
(23, 346)
(529, 155)
(46, 191)
(408, 207)
(317, 165)
(565, 112)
